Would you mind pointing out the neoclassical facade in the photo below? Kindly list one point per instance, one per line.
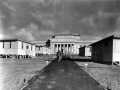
(70, 43)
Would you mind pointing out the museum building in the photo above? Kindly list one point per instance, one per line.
(69, 43)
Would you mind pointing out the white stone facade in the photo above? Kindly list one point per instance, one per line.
(70, 43)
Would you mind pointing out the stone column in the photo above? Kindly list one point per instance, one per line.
(67, 47)
(73, 49)
(63, 48)
(60, 47)
(53, 48)
(57, 48)
(70, 48)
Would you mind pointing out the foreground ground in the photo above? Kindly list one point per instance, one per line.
(63, 75)
(18, 70)
(13, 72)
(107, 75)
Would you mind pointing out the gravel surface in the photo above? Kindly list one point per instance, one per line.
(107, 75)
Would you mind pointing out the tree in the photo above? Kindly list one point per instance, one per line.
(48, 43)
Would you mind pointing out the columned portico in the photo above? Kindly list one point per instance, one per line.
(66, 47)
(69, 48)
(70, 43)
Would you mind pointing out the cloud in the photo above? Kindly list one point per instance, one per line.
(116, 32)
(99, 22)
(1, 26)
(10, 7)
(46, 33)
(25, 33)
(31, 32)
(40, 17)
(88, 21)
(90, 37)
(47, 19)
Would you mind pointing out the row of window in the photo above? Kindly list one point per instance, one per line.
(27, 46)
(38, 48)
(63, 45)
(4, 45)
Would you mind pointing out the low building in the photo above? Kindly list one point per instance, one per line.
(106, 50)
(16, 48)
(85, 51)
(41, 48)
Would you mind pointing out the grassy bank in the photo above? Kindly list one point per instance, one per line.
(15, 73)
(106, 75)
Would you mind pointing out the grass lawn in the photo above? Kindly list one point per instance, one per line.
(106, 75)
(13, 72)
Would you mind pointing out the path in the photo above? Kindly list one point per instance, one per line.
(63, 75)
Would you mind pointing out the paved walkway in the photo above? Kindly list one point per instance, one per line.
(63, 75)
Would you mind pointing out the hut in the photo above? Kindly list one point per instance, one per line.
(16, 48)
(107, 50)
(85, 51)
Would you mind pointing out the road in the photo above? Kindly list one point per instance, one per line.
(63, 75)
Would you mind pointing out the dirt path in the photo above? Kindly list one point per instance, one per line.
(63, 75)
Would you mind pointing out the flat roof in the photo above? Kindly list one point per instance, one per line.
(65, 35)
(15, 39)
(104, 39)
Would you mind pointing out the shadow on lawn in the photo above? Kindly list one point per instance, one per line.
(86, 59)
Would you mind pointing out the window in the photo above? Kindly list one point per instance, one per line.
(3, 44)
(95, 50)
(27, 47)
(39, 48)
(90, 49)
(36, 48)
(22, 45)
(10, 44)
(31, 47)
(106, 46)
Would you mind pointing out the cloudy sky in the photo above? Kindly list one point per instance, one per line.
(37, 19)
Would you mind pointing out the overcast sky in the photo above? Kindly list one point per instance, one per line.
(37, 19)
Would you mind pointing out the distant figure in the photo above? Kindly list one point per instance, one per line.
(59, 55)
(62, 54)
(66, 54)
